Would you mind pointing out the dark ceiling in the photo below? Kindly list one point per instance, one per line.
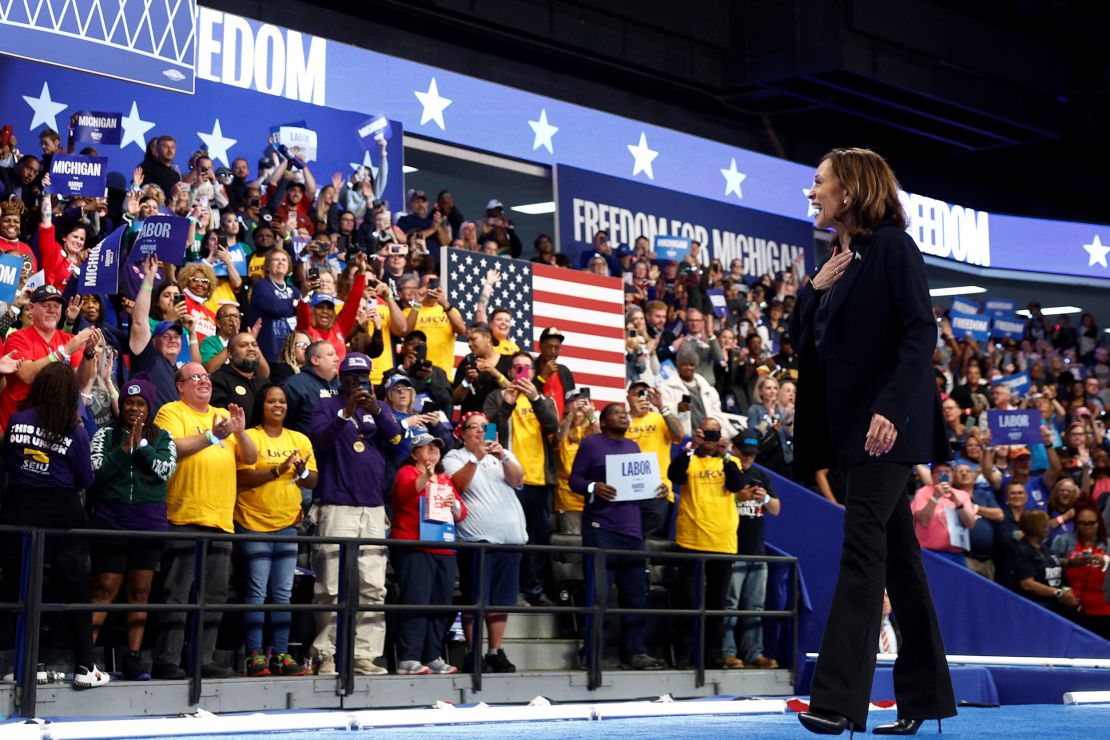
(999, 105)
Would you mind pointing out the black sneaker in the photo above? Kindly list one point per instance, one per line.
(215, 670)
(133, 667)
(168, 672)
(496, 662)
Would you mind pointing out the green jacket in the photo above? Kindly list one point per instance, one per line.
(137, 478)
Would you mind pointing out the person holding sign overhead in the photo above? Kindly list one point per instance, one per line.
(610, 521)
(865, 335)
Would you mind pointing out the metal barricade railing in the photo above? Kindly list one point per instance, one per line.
(30, 607)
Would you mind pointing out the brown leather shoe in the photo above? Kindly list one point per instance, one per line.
(731, 661)
(761, 661)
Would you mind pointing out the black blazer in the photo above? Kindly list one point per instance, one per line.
(876, 334)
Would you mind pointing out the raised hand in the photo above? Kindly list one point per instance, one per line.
(8, 363)
(238, 420)
(73, 309)
(337, 181)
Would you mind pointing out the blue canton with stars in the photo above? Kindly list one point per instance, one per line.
(466, 272)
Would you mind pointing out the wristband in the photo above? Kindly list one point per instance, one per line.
(303, 474)
(212, 438)
(63, 356)
(275, 472)
(147, 288)
(665, 412)
(590, 488)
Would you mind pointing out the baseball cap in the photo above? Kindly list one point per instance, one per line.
(164, 326)
(1016, 452)
(638, 384)
(414, 194)
(748, 444)
(416, 334)
(552, 333)
(319, 298)
(294, 184)
(397, 379)
(422, 439)
(355, 362)
(494, 203)
(45, 293)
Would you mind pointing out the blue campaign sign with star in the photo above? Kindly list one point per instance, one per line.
(588, 201)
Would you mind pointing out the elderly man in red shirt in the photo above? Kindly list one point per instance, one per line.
(937, 530)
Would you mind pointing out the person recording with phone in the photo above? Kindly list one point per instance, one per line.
(430, 382)
(707, 479)
(352, 434)
(655, 428)
(439, 320)
(931, 521)
(481, 372)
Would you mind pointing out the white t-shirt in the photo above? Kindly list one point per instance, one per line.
(493, 511)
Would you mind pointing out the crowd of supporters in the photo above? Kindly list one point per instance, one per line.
(296, 374)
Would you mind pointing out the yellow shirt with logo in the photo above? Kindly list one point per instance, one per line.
(507, 346)
(276, 504)
(651, 432)
(384, 361)
(707, 517)
(527, 442)
(433, 321)
(566, 499)
(202, 488)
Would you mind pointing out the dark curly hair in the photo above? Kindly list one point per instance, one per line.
(54, 394)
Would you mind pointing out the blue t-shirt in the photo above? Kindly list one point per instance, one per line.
(1038, 494)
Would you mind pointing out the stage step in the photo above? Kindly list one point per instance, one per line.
(542, 654)
(522, 626)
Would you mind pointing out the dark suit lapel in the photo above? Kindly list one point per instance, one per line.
(843, 288)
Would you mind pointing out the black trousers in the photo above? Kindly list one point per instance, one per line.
(880, 549)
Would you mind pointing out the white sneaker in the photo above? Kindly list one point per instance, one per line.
(326, 666)
(441, 666)
(90, 678)
(412, 668)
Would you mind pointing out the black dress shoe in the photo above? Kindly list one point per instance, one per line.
(902, 727)
(827, 723)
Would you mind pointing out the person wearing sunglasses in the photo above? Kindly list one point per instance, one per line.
(196, 281)
(1085, 557)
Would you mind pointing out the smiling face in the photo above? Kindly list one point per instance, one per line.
(501, 323)
(275, 407)
(133, 411)
(826, 196)
(46, 314)
(9, 227)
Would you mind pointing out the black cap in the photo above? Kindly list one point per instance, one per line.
(416, 334)
(45, 293)
(552, 333)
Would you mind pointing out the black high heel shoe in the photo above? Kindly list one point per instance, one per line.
(827, 723)
(902, 727)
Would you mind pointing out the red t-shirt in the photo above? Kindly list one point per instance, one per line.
(55, 264)
(344, 320)
(406, 505)
(28, 346)
(1086, 581)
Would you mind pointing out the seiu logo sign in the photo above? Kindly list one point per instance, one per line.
(953, 232)
(260, 56)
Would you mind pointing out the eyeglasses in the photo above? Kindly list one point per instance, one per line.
(198, 377)
(301, 345)
(199, 279)
(474, 426)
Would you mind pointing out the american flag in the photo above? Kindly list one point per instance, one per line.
(586, 309)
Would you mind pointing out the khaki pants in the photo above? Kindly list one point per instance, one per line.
(350, 521)
(984, 568)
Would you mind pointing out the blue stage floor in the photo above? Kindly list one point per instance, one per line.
(1035, 720)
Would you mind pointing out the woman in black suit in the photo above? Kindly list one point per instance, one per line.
(868, 402)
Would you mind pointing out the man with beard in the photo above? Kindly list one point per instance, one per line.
(240, 380)
(158, 167)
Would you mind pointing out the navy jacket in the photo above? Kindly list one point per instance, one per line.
(868, 349)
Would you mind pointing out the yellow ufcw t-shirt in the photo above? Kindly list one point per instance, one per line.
(650, 431)
(433, 321)
(384, 361)
(507, 346)
(566, 499)
(202, 489)
(276, 504)
(527, 442)
(707, 517)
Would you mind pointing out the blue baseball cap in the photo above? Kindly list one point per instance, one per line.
(355, 362)
(165, 326)
(319, 298)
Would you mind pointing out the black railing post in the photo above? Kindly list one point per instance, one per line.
(478, 622)
(796, 589)
(28, 623)
(597, 627)
(196, 637)
(699, 651)
(349, 600)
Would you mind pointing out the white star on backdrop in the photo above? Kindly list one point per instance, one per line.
(543, 131)
(733, 178)
(810, 210)
(1097, 252)
(217, 143)
(434, 105)
(365, 163)
(45, 110)
(643, 157)
(134, 128)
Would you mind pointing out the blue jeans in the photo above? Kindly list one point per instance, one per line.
(270, 567)
(746, 591)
